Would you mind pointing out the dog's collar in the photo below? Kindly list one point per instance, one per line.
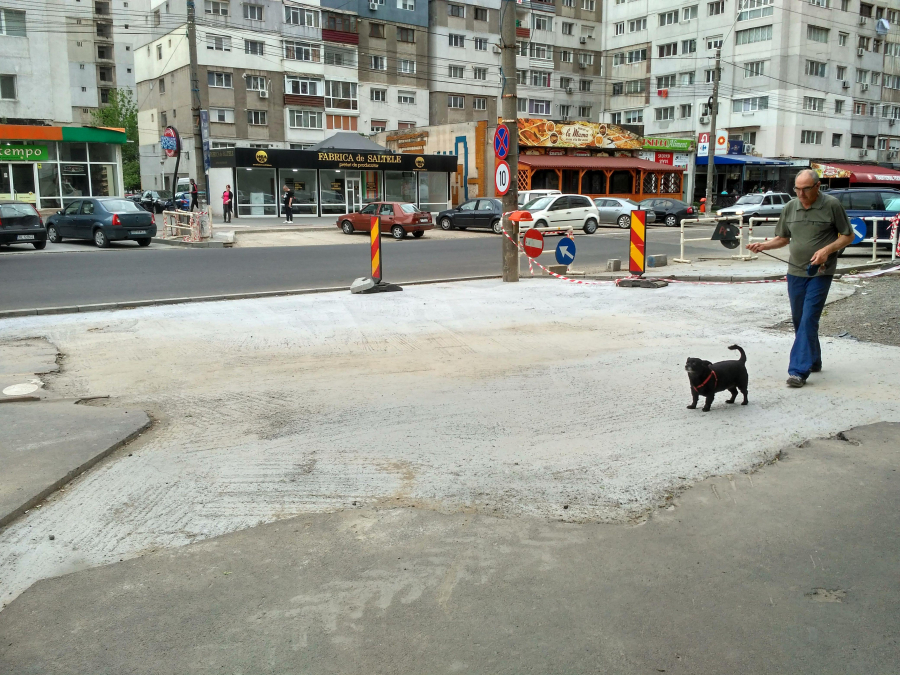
(712, 373)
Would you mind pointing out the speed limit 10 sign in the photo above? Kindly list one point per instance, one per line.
(501, 177)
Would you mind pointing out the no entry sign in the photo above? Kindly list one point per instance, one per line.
(501, 141)
(169, 141)
(501, 177)
(533, 243)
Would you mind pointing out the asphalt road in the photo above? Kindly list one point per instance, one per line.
(39, 279)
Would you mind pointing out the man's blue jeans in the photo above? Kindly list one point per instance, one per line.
(807, 296)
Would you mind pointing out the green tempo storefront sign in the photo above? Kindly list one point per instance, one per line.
(679, 144)
(23, 153)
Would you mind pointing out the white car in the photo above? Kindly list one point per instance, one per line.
(530, 195)
(561, 211)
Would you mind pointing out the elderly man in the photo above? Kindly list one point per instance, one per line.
(816, 227)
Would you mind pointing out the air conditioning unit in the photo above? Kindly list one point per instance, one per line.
(845, 84)
(373, 6)
(860, 51)
(891, 154)
(569, 90)
(864, 87)
(863, 153)
(264, 93)
(582, 65)
(892, 122)
(497, 49)
(749, 148)
(863, 20)
(583, 40)
(704, 119)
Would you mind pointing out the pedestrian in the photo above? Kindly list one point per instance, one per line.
(816, 227)
(227, 203)
(288, 204)
(193, 194)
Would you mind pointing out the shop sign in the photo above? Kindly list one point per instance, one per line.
(665, 158)
(23, 153)
(337, 185)
(826, 171)
(681, 159)
(556, 152)
(544, 133)
(581, 153)
(721, 141)
(668, 143)
(313, 159)
(647, 155)
(74, 169)
(735, 147)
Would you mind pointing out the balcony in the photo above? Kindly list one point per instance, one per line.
(523, 32)
(305, 101)
(312, 32)
(340, 36)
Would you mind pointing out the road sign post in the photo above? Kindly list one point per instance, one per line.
(501, 141)
(859, 229)
(637, 249)
(502, 178)
(374, 284)
(533, 243)
(565, 251)
(171, 143)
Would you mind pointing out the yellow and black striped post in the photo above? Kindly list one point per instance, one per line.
(637, 257)
(376, 249)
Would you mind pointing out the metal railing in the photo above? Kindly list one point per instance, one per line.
(714, 220)
(874, 240)
(186, 225)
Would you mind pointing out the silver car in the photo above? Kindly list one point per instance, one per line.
(615, 210)
(763, 205)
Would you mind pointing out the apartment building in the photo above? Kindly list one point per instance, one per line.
(59, 63)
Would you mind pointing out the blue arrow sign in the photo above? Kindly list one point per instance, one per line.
(565, 251)
(859, 229)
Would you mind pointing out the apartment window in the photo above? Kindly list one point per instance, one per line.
(541, 51)
(751, 35)
(301, 86)
(813, 103)
(584, 111)
(257, 118)
(749, 137)
(755, 9)
(454, 101)
(820, 3)
(586, 59)
(841, 72)
(481, 14)
(255, 82)
(684, 110)
(750, 104)
(406, 125)
(670, 49)
(215, 79)
(378, 125)
(814, 33)
(857, 141)
(635, 86)
(481, 44)
(406, 97)
(668, 18)
(618, 88)
(666, 81)
(689, 46)
(842, 39)
(304, 119)
(479, 73)
(341, 22)
(302, 51)
(838, 107)
(521, 77)
(665, 114)
(876, 46)
(615, 118)
(636, 56)
(254, 47)
(687, 79)
(457, 40)
(297, 16)
(565, 111)
(407, 66)
(565, 82)
(589, 5)
(406, 35)
(862, 76)
(521, 105)
(634, 117)
(859, 108)
(159, 52)
(714, 42)
(457, 71)
(8, 87)
(540, 78)
(162, 85)
(568, 28)
(479, 103)
(221, 115)
(815, 68)
(219, 43)
(538, 107)
(212, 7)
(875, 78)
(539, 22)
(715, 8)
(584, 85)
(620, 28)
(882, 144)
(810, 137)
(341, 95)
(863, 42)
(458, 11)
(636, 25)
(618, 59)
(12, 23)
(865, 9)
(163, 119)
(376, 30)
(377, 63)
(754, 69)
(711, 75)
(379, 95)
(689, 13)
(253, 12)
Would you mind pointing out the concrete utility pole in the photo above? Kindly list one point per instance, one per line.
(508, 114)
(195, 89)
(713, 109)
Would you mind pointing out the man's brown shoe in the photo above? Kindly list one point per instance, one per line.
(794, 381)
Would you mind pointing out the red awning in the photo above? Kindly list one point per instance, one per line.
(868, 174)
(614, 163)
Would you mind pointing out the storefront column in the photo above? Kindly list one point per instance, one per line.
(608, 178)
(581, 181)
(559, 179)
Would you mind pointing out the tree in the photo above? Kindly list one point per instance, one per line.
(121, 113)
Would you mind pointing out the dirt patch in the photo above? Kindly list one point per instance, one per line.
(872, 314)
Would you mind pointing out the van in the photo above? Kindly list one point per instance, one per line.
(867, 202)
(529, 195)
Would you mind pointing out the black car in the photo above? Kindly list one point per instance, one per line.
(473, 213)
(667, 211)
(868, 202)
(157, 201)
(102, 219)
(20, 223)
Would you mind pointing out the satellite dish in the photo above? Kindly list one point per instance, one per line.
(882, 26)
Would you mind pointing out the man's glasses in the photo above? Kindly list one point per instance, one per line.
(805, 189)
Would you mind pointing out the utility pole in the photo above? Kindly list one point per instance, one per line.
(195, 90)
(508, 115)
(713, 109)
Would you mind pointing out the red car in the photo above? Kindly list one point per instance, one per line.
(398, 218)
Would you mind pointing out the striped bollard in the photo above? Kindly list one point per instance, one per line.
(374, 284)
(636, 257)
(375, 234)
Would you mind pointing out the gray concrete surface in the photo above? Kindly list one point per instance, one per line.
(789, 569)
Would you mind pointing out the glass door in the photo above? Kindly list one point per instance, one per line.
(23, 183)
(5, 182)
(354, 194)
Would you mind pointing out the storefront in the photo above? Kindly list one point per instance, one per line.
(839, 175)
(52, 166)
(738, 174)
(329, 182)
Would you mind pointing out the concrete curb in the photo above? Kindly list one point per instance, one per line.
(736, 278)
(189, 244)
(269, 230)
(106, 306)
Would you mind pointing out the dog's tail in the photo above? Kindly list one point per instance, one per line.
(743, 358)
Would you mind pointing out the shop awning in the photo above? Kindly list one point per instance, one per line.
(537, 162)
(703, 160)
(868, 174)
(24, 132)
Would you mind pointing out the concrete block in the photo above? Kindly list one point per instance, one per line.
(713, 277)
(613, 265)
(558, 269)
(10, 313)
(657, 260)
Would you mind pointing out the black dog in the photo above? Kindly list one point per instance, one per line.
(708, 378)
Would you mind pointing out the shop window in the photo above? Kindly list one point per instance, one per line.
(255, 190)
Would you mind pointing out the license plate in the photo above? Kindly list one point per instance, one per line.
(25, 237)
(139, 232)
(423, 220)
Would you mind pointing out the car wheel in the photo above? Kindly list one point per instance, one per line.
(53, 234)
(100, 238)
(39, 245)
(446, 224)
(347, 227)
(397, 232)
(497, 227)
(418, 234)
(590, 226)
(624, 222)
(541, 223)
(671, 221)
(144, 241)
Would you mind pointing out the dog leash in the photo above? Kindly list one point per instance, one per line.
(810, 269)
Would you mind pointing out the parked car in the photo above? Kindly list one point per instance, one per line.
(615, 210)
(863, 202)
(183, 201)
(668, 211)
(103, 219)
(530, 195)
(564, 210)
(398, 218)
(20, 223)
(157, 201)
(473, 213)
(762, 205)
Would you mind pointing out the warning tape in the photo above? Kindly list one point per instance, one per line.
(874, 273)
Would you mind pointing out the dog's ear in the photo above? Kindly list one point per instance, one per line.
(707, 363)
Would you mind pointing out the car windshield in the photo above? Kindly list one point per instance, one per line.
(121, 206)
(410, 208)
(538, 204)
(164, 194)
(750, 199)
(17, 210)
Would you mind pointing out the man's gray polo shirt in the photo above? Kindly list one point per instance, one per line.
(812, 229)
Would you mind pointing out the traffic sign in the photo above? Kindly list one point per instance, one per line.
(565, 251)
(502, 177)
(501, 141)
(859, 229)
(533, 243)
(169, 142)
(638, 246)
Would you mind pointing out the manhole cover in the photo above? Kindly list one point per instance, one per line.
(20, 389)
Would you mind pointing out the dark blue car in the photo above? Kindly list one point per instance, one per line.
(102, 219)
(865, 202)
